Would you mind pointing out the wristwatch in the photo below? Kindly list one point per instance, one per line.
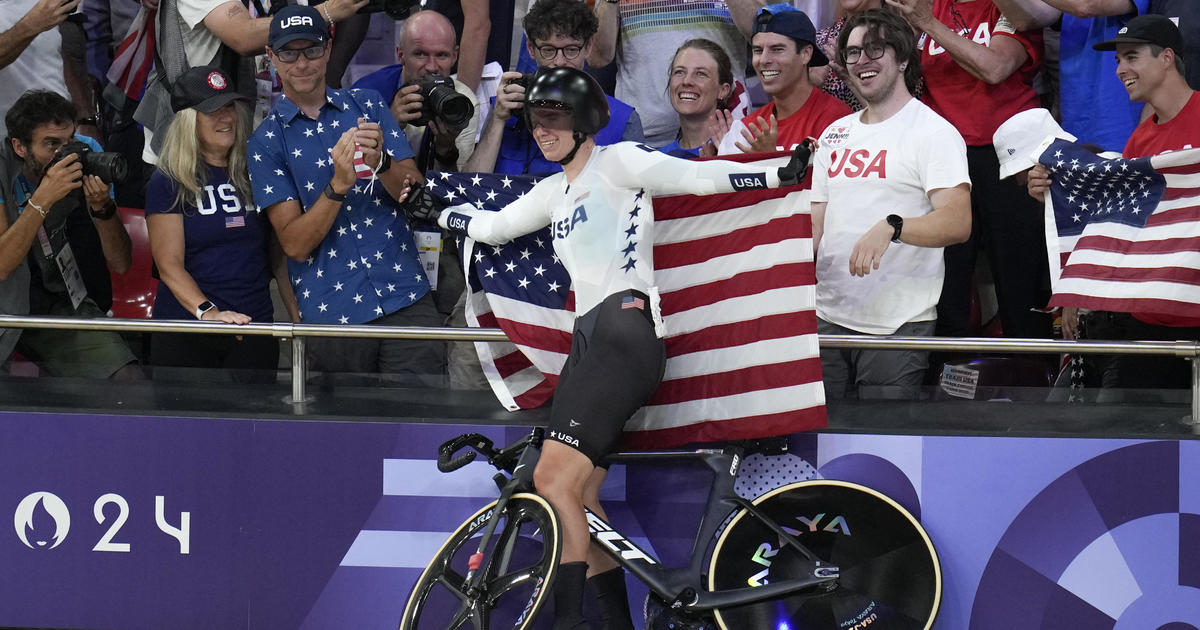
(330, 193)
(897, 223)
(204, 307)
(385, 163)
(105, 213)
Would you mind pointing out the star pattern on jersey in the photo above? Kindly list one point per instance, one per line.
(363, 267)
(631, 241)
(525, 268)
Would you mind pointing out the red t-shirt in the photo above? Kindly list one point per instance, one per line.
(817, 113)
(975, 108)
(1151, 138)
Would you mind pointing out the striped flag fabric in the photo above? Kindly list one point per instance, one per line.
(134, 57)
(737, 284)
(1123, 234)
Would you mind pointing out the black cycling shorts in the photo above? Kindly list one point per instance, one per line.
(616, 363)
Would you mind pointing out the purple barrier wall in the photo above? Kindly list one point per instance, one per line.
(290, 524)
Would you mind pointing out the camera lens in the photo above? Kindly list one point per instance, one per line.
(450, 107)
(110, 167)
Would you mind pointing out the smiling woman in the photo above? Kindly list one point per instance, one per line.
(210, 244)
(699, 83)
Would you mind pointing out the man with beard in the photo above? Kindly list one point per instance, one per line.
(890, 190)
(59, 236)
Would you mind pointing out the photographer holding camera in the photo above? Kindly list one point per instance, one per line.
(436, 110)
(559, 34)
(60, 234)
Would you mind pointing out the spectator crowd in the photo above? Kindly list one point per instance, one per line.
(271, 191)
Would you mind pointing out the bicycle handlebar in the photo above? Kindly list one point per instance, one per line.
(448, 463)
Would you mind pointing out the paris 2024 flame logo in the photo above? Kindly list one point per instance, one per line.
(37, 516)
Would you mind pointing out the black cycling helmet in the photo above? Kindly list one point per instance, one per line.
(574, 90)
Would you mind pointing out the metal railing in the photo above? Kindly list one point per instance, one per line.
(298, 332)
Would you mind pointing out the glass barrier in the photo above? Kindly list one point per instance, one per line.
(987, 386)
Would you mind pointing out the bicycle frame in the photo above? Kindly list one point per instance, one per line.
(678, 586)
(683, 586)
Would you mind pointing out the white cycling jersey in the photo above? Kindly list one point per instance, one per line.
(603, 222)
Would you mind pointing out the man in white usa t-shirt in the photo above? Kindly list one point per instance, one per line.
(890, 190)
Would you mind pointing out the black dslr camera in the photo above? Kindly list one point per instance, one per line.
(441, 102)
(525, 80)
(110, 167)
(396, 9)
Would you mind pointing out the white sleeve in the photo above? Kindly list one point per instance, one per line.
(638, 166)
(944, 159)
(527, 214)
(193, 12)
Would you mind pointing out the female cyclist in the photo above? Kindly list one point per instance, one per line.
(602, 221)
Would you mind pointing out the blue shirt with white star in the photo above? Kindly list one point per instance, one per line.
(366, 266)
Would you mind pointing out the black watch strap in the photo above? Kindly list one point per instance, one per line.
(897, 223)
(384, 163)
(330, 193)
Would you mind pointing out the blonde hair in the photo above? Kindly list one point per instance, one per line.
(180, 158)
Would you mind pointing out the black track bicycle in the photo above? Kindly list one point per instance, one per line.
(816, 554)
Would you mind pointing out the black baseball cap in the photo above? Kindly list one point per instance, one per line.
(203, 88)
(294, 22)
(1147, 29)
(786, 19)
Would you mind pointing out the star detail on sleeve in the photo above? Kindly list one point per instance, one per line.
(297, 152)
(337, 286)
(629, 249)
(358, 298)
(269, 134)
(309, 186)
(267, 190)
(630, 264)
(632, 230)
(257, 157)
(308, 133)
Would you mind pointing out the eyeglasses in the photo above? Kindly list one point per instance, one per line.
(548, 52)
(290, 55)
(854, 53)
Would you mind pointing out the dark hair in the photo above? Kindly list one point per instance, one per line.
(37, 107)
(886, 28)
(1180, 66)
(569, 18)
(724, 65)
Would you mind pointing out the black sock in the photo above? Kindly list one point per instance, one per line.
(568, 596)
(612, 599)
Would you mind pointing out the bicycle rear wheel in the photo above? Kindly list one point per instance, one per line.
(518, 565)
(890, 574)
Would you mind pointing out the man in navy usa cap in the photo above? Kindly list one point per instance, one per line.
(330, 168)
(782, 49)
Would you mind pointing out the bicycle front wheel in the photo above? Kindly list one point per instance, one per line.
(890, 574)
(518, 565)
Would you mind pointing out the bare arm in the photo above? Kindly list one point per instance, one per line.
(279, 271)
(301, 232)
(1091, 8)
(947, 224)
(75, 74)
(743, 13)
(1029, 14)
(114, 240)
(472, 52)
(817, 210)
(991, 64)
(509, 97)
(43, 16)
(166, 245)
(16, 239)
(604, 42)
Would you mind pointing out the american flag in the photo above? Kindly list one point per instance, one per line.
(134, 58)
(736, 277)
(1124, 234)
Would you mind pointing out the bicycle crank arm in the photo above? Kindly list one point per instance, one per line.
(822, 576)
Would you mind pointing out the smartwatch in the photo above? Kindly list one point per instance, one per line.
(897, 223)
(204, 307)
(330, 193)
